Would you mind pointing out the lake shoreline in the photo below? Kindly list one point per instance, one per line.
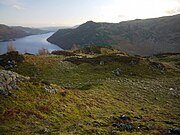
(30, 44)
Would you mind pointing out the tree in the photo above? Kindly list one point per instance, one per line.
(75, 47)
(10, 47)
(43, 51)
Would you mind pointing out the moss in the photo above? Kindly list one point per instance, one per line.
(1, 68)
(88, 98)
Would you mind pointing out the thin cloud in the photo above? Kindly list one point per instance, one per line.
(18, 7)
(9, 2)
(121, 16)
(120, 10)
(175, 10)
(16, 4)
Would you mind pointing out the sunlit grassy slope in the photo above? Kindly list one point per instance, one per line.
(91, 97)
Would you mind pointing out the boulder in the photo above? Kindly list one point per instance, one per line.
(157, 66)
(8, 82)
(117, 72)
(124, 117)
(132, 74)
(133, 62)
(50, 89)
(174, 131)
(101, 62)
(10, 60)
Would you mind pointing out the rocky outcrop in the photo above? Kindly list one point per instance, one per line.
(157, 66)
(11, 59)
(9, 81)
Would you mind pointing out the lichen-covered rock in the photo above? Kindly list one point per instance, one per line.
(9, 80)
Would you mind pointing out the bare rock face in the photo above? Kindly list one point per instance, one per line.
(9, 80)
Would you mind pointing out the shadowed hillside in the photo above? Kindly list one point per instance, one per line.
(142, 37)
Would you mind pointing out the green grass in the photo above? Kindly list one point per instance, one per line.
(92, 97)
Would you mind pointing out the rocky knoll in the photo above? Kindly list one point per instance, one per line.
(10, 59)
(9, 81)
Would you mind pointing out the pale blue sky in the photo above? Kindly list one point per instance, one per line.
(40, 13)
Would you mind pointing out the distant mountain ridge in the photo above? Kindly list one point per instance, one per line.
(8, 33)
(141, 37)
(32, 31)
(54, 28)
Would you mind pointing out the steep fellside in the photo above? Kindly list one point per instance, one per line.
(142, 37)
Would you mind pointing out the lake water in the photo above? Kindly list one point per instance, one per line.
(30, 44)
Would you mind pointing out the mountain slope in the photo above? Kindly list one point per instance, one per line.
(7, 32)
(142, 37)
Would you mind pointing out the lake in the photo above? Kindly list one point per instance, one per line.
(30, 44)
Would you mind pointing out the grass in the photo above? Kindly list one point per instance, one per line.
(93, 97)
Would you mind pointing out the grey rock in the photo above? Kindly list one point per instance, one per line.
(4, 92)
(174, 131)
(126, 127)
(8, 82)
(132, 74)
(124, 117)
(50, 89)
(101, 62)
(133, 62)
(46, 130)
(117, 72)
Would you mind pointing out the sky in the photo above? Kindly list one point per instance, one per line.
(43, 13)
